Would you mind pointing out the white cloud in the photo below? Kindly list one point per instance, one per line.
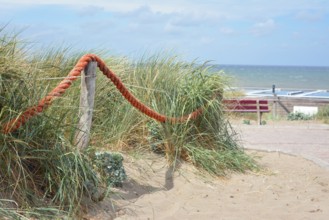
(180, 24)
(263, 28)
(144, 15)
(227, 31)
(90, 10)
(171, 28)
(230, 9)
(310, 15)
(207, 40)
(296, 35)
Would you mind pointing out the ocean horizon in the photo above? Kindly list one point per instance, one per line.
(264, 76)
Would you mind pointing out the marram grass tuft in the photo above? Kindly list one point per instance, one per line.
(41, 171)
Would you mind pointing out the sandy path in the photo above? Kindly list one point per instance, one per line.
(291, 187)
(307, 139)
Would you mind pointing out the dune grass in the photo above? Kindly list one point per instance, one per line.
(41, 171)
(323, 114)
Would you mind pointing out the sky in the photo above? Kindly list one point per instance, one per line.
(246, 32)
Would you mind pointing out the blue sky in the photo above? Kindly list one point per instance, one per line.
(260, 32)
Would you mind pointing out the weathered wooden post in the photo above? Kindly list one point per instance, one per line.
(275, 105)
(88, 81)
(259, 114)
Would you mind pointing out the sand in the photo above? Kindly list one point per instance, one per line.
(288, 187)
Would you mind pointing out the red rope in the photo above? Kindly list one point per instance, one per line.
(72, 76)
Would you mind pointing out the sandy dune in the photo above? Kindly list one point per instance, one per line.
(288, 187)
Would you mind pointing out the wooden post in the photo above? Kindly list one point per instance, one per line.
(259, 113)
(275, 106)
(88, 81)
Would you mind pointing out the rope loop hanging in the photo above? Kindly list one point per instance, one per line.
(73, 75)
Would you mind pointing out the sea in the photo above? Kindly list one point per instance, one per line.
(289, 77)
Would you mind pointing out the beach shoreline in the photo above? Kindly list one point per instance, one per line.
(269, 92)
(298, 77)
